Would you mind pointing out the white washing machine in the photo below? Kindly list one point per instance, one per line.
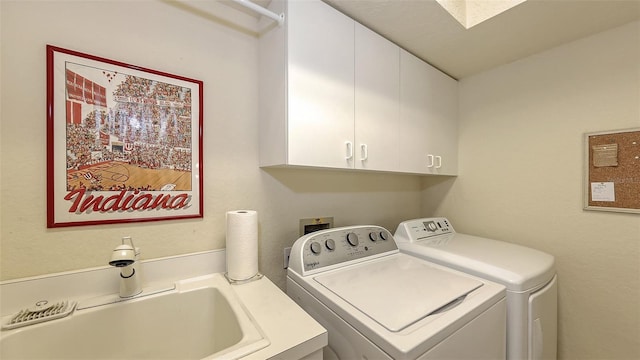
(377, 303)
(528, 274)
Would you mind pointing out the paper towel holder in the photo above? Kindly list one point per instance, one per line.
(231, 281)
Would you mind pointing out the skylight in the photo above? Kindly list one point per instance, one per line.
(470, 13)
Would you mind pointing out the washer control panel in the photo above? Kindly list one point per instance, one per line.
(325, 248)
(418, 229)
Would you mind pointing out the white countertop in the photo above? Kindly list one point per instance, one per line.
(292, 332)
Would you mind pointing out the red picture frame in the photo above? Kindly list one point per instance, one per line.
(124, 143)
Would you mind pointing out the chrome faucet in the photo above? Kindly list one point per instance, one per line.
(126, 257)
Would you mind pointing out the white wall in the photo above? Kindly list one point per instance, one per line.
(520, 157)
(521, 161)
(209, 41)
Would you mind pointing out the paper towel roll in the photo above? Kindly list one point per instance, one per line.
(242, 244)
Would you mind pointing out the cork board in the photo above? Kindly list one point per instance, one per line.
(612, 171)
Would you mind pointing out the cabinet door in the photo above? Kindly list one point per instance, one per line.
(428, 118)
(377, 101)
(414, 129)
(442, 119)
(320, 85)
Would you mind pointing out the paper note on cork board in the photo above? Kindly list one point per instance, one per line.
(605, 155)
(603, 191)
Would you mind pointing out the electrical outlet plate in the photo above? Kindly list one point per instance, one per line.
(287, 253)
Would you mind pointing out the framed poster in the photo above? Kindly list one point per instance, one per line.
(124, 143)
(612, 171)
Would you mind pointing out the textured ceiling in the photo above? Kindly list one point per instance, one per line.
(428, 31)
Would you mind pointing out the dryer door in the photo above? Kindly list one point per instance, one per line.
(543, 322)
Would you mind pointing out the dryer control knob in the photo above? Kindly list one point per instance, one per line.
(352, 239)
(315, 247)
(330, 244)
(384, 235)
(373, 236)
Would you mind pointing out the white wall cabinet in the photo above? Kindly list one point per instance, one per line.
(377, 101)
(306, 82)
(335, 94)
(320, 87)
(428, 118)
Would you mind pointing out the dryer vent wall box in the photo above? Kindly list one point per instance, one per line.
(314, 224)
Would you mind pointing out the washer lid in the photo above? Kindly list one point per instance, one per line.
(398, 291)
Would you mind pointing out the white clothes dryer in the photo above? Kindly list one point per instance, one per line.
(378, 303)
(528, 274)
